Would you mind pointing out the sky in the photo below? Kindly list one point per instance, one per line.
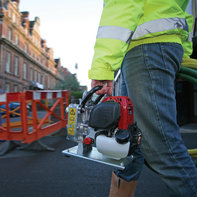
(69, 28)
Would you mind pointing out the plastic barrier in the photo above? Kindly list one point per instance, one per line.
(29, 128)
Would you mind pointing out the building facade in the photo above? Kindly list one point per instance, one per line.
(25, 60)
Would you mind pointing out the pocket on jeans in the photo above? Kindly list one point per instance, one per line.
(172, 55)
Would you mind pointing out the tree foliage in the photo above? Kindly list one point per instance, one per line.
(71, 84)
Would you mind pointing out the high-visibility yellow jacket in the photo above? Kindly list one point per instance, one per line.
(188, 44)
(125, 24)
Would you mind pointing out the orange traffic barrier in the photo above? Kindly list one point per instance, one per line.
(28, 127)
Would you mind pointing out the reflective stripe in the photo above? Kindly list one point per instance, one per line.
(190, 36)
(158, 25)
(114, 32)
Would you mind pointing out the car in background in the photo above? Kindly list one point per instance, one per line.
(12, 106)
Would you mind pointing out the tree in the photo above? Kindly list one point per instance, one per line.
(71, 84)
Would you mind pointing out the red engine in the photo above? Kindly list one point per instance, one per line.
(113, 124)
(113, 119)
(113, 112)
(126, 107)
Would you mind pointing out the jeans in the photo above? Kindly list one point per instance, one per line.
(148, 73)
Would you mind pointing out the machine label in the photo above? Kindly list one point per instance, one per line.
(71, 121)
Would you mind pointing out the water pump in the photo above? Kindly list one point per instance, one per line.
(104, 128)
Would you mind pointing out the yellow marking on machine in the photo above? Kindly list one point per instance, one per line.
(71, 121)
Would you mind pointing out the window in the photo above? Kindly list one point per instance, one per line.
(38, 77)
(10, 34)
(15, 88)
(31, 74)
(49, 83)
(42, 79)
(8, 62)
(25, 71)
(35, 75)
(14, 18)
(7, 87)
(16, 66)
(26, 48)
(17, 40)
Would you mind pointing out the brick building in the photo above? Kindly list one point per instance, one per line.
(25, 60)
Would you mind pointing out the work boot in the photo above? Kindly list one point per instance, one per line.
(121, 188)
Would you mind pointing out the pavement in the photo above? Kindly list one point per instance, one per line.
(27, 173)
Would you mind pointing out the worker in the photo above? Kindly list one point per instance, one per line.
(145, 39)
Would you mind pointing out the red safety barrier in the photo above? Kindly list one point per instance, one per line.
(30, 127)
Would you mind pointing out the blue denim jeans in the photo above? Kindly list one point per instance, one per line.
(148, 73)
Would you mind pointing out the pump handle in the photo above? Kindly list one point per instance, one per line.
(89, 95)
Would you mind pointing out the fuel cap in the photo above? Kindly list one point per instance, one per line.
(122, 136)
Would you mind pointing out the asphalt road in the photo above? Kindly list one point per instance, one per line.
(25, 173)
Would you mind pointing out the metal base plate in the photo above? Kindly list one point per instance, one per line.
(94, 155)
